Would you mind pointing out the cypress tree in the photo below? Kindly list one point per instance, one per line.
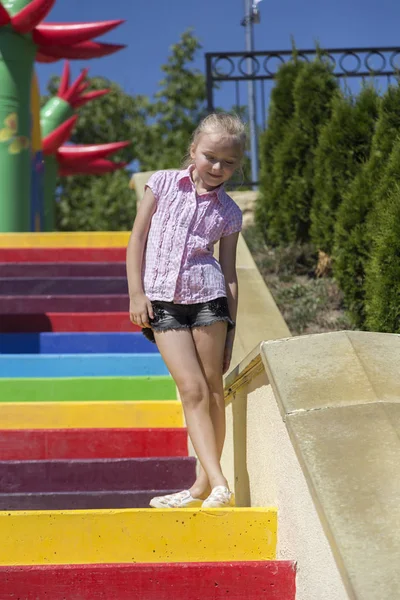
(382, 271)
(313, 93)
(352, 240)
(343, 146)
(281, 109)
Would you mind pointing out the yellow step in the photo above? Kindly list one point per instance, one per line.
(137, 535)
(93, 239)
(60, 415)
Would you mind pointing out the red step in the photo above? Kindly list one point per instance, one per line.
(60, 269)
(98, 474)
(81, 500)
(62, 255)
(41, 304)
(272, 580)
(47, 444)
(66, 322)
(62, 286)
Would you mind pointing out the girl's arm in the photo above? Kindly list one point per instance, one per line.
(227, 259)
(140, 308)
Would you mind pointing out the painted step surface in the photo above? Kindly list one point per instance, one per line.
(70, 239)
(273, 580)
(62, 255)
(74, 343)
(66, 322)
(42, 304)
(61, 415)
(63, 286)
(59, 269)
(42, 444)
(81, 365)
(81, 500)
(137, 535)
(71, 389)
(89, 475)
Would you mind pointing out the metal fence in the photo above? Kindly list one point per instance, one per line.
(380, 64)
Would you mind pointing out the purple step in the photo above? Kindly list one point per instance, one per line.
(63, 304)
(109, 474)
(81, 500)
(62, 286)
(46, 270)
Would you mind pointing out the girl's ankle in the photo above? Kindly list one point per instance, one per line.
(200, 492)
(219, 482)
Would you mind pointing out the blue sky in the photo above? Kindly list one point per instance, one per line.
(152, 26)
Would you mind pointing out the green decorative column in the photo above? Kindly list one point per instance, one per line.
(24, 38)
(50, 181)
(17, 54)
(55, 112)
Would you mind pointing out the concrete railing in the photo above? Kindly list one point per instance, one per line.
(313, 428)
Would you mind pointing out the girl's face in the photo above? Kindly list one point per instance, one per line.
(215, 158)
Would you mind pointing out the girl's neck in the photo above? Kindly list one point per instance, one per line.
(201, 187)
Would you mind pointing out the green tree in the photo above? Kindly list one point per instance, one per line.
(352, 245)
(160, 129)
(88, 202)
(178, 107)
(382, 281)
(293, 161)
(343, 146)
(96, 203)
(382, 270)
(281, 110)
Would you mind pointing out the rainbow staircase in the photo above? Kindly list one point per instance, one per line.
(90, 429)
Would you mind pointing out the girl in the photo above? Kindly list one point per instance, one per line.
(184, 299)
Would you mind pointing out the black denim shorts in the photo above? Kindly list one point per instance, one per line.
(168, 315)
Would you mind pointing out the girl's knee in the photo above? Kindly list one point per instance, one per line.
(215, 383)
(192, 393)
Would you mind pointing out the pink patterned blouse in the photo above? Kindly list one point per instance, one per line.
(178, 264)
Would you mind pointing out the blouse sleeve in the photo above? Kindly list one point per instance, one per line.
(156, 183)
(234, 221)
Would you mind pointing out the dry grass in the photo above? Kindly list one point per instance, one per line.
(307, 303)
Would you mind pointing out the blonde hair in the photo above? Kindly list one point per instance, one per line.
(224, 123)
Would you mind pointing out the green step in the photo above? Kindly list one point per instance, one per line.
(71, 389)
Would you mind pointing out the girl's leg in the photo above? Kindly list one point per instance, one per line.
(177, 347)
(210, 344)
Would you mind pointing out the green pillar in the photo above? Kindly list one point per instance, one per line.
(53, 114)
(17, 54)
(50, 181)
(13, 7)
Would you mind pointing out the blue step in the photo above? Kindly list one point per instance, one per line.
(81, 365)
(75, 343)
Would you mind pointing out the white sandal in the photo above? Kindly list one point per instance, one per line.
(220, 497)
(182, 499)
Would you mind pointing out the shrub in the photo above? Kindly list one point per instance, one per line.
(352, 240)
(382, 279)
(293, 164)
(344, 144)
(281, 109)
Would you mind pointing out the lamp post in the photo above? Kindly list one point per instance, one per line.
(251, 16)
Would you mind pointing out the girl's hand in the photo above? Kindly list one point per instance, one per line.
(140, 310)
(227, 354)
